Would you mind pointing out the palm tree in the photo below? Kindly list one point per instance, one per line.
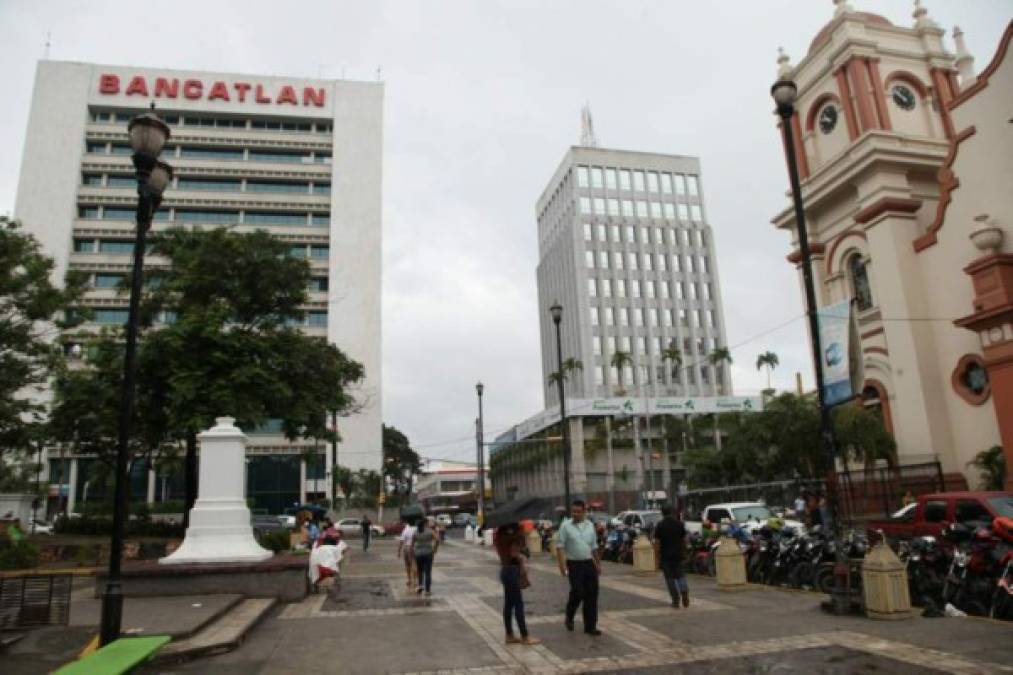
(620, 360)
(716, 357)
(674, 355)
(769, 361)
(569, 365)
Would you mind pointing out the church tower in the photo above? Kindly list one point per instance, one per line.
(874, 138)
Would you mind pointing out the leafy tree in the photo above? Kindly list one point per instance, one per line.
(231, 349)
(861, 436)
(401, 463)
(346, 482)
(619, 361)
(673, 355)
(369, 484)
(769, 361)
(991, 464)
(86, 402)
(32, 311)
(717, 356)
(569, 365)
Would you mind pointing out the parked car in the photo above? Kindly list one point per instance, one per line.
(751, 516)
(395, 528)
(617, 519)
(317, 511)
(600, 518)
(641, 521)
(352, 527)
(263, 524)
(932, 513)
(40, 527)
(444, 520)
(463, 519)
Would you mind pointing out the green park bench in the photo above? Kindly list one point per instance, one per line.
(119, 656)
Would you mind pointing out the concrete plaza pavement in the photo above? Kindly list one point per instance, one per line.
(376, 625)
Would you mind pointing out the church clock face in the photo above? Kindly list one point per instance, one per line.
(903, 97)
(828, 118)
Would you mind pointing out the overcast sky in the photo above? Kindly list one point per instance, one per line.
(482, 100)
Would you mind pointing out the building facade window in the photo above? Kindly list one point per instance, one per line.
(858, 274)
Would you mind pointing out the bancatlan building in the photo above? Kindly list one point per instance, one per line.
(298, 158)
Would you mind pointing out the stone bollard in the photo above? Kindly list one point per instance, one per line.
(469, 533)
(884, 584)
(730, 565)
(643, 556)
(534, 542)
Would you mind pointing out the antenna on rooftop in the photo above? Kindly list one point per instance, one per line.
(379, 72)
(45, 53)
(587, 137)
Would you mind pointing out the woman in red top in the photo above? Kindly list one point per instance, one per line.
(513, 575)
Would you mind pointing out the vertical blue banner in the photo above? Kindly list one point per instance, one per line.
(835, 332)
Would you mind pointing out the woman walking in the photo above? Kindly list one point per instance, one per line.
(513, 574)
(424, 547)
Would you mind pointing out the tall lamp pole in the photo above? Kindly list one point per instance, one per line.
(785, 92)
(334, 460)
(147, 138)
(557, 317)
(480, 458)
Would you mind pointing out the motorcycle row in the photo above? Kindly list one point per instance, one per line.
(968, 566)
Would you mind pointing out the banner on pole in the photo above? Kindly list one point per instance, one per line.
(842, 358)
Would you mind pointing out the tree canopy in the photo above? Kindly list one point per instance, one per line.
(401, 463)
(32, 310)
(783, 442)
(227, 344)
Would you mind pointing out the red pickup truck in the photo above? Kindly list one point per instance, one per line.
(929, 514)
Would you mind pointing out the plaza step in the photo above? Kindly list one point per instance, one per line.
(223, 634)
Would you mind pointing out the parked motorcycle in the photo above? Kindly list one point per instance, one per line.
(970, 580)
(1002, 597)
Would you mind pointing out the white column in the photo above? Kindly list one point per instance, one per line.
(219, 528)
(151, 485)
(302, 480)
(72, 487)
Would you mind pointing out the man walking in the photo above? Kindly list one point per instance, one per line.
(669, 546)
(580, 560)
(367, 532)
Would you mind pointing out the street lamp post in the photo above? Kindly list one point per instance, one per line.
(480, 458)
(557, 316)
(785, 92)
(147, 137)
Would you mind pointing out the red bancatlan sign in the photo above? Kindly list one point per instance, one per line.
(218, 91)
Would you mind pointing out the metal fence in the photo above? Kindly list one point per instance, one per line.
(863, 495)
(35, 600)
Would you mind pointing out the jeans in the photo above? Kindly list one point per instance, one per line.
(513, 599)
(424, 565)
(583, 590)
(675, 578)
(365, 540)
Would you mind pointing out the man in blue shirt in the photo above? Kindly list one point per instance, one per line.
(580, 560)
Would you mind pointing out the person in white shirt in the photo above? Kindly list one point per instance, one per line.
(404, 550)
(325, 560)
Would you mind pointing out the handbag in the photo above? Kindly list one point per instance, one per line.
(525, 580)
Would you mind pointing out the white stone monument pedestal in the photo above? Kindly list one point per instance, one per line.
(219, 530)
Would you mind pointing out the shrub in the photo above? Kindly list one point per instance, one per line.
(174, 506)
(18, 555)
(277, 541)
(104, 526)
